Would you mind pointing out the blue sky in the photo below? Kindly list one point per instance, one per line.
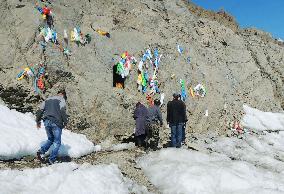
(267, 15)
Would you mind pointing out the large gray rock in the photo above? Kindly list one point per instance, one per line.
(236, 66)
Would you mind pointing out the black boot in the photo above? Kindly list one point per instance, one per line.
(40, 156)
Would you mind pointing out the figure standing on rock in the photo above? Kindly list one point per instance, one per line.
(153, 123)
(53, 113)
(140, 115)
(46, 15)
(118, 79)
(176, 118)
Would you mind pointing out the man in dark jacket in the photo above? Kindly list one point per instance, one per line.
(154, 121)
(176, 117)
(53, 112)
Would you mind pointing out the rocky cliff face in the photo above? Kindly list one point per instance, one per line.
(236, 66)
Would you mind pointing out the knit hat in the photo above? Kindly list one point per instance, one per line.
(63, 92)
(176, 95)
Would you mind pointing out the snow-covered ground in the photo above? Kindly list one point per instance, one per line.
(251, 164)
(68, 178)
(184, 171)
(258, 120)
(20, 137)
(265, 150)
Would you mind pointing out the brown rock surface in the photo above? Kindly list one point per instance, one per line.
(236, 66)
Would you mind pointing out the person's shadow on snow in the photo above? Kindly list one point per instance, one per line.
(63, 153)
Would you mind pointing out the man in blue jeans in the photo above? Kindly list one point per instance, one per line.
(53, 112)
(176, 117)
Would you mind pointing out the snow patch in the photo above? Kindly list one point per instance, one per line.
(68, 178)
(258, 120)
(123, 146)
(184, 171)
(19, 137)
(108, 146)
(266, 151)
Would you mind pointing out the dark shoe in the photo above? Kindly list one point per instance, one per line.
(40, 156)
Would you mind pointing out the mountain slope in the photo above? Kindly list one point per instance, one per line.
(236, 66)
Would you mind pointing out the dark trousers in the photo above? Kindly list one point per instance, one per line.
(153, 137)
(140, 140)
